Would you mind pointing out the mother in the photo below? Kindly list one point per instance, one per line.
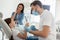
(18, 15)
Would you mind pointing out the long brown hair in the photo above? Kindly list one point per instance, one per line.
(22, 11)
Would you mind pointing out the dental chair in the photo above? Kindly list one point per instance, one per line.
(5, 27)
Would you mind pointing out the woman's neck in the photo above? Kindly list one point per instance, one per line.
(18, 12)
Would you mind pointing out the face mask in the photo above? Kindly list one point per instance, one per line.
(35, 13)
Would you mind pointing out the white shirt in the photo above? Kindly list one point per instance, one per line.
(19, 29)
(16, 31)
(33, 20)
(46, 18)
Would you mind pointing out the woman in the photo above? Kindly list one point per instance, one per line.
(17, 35)
(18, 15)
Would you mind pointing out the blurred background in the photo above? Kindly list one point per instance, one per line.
(9, 6)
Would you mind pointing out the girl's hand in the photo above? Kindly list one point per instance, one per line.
(27, 24)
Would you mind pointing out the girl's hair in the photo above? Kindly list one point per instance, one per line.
(22, 11)
(8, 21)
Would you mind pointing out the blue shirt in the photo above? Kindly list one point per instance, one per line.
(19, 18)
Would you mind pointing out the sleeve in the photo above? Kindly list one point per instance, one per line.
(47, 20)
(15, 32)
(12, 13)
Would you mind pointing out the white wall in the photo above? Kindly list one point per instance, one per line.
(7, 7)
(52, 4)
(57, 10)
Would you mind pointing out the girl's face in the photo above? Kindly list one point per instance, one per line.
(12, 24)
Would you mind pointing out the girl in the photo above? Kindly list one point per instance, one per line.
(17, 35)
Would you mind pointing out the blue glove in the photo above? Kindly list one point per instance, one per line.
(33, 28)
(27, 29)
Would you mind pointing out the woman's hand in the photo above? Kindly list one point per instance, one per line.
(16, 11)
(13, 17)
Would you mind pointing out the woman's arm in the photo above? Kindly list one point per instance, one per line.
(13, 16)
